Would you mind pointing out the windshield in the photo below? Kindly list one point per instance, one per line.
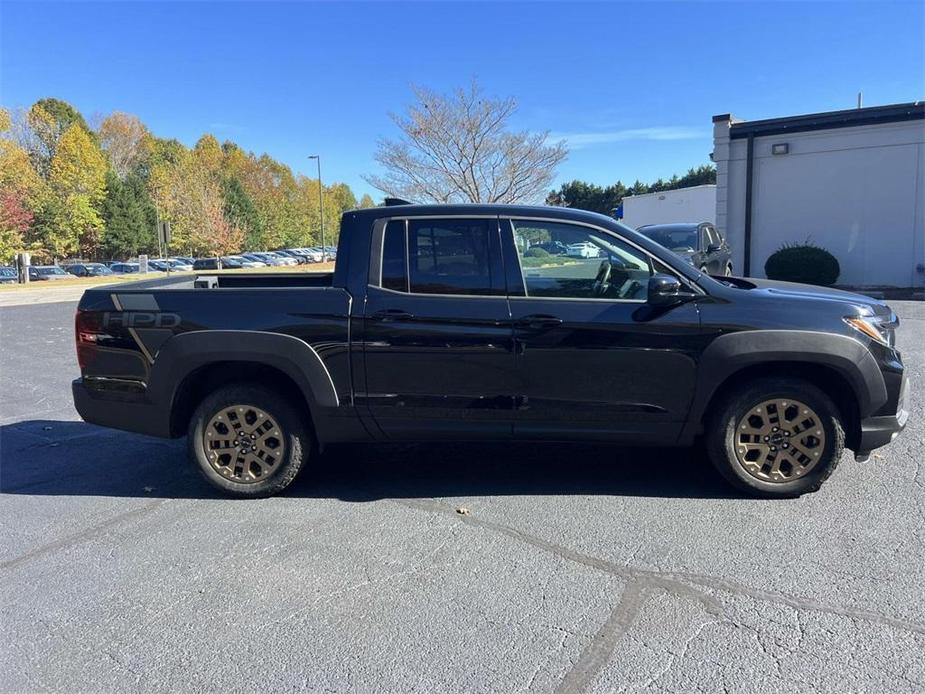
(677, 239)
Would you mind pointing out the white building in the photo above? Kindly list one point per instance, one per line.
(694, 204)
(852, 182)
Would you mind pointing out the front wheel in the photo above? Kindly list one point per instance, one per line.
(248, 440)
(776, 437)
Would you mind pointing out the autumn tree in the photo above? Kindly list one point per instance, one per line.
(123, 138)
(20, 191)
(42, 128)
(366, 201)
(77, 176)
(65, 189)
(459, 148)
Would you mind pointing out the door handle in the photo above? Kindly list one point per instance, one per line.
(537, 322)
(390, 315)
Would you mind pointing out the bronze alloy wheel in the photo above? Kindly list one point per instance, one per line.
(779, 440)
(244, 444)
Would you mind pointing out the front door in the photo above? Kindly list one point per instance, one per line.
(594, 359)
(437, 335)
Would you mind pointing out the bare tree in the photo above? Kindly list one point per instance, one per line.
(457, 148)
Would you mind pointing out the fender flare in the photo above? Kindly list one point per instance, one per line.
(733, 352)
(183, 354)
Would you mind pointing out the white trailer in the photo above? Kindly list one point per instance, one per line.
(694, 204)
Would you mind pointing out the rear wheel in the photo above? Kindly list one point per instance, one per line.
(776, 437)
(248, 440)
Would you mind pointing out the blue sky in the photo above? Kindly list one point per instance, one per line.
(632, 86)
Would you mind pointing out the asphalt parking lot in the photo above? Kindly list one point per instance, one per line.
(576, 568)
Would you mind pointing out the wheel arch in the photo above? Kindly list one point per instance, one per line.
(838, 365)
(191, 365)
(826, 378)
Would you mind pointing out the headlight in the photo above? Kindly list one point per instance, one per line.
(878, 328)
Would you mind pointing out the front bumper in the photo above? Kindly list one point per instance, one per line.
(879, 431)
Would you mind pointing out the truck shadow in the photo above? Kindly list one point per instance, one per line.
(67, 458)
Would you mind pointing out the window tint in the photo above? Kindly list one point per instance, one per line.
(448, 256)
(566, 261)
(395, 258)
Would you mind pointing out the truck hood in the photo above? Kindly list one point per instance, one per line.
(793, 290)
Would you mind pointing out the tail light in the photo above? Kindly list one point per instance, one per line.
(87, 330)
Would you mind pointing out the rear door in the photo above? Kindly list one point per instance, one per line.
(594, 359)
(438, 341)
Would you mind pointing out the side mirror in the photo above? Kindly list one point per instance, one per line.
(664, 290)
(714, 247)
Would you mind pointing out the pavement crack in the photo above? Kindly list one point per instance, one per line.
(598, 652)
(678, 583)
(83, 536)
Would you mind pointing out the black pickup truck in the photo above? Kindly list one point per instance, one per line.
(493, 322)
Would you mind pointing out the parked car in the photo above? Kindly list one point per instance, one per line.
(701, 245)
(228, 262)
(582, 250)
(163, 264)
(292, 253)
(8, 275)
(88, 269)
(177, 264)
(313, 254)
(125, 268)
(241, 261)
(39, 273)
(280, 258)
(184, 259)
(205, 264)
(411, 341)
(552, 247)
(263, 258)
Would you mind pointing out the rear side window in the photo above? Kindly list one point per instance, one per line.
(395, 258)
(440, 256)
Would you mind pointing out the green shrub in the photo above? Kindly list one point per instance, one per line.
(804, 263)
(536, 252)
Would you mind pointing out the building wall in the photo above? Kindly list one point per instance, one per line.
(857, 191)
(694, 204)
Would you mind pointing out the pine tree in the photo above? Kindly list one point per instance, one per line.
(240, 211)
(129, 216)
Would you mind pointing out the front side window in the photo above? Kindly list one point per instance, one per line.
(440, 256)
(575, 262)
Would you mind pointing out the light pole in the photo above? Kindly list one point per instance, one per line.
(324, 251)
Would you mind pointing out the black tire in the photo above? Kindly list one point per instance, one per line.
(294, 438)
(722, 430)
